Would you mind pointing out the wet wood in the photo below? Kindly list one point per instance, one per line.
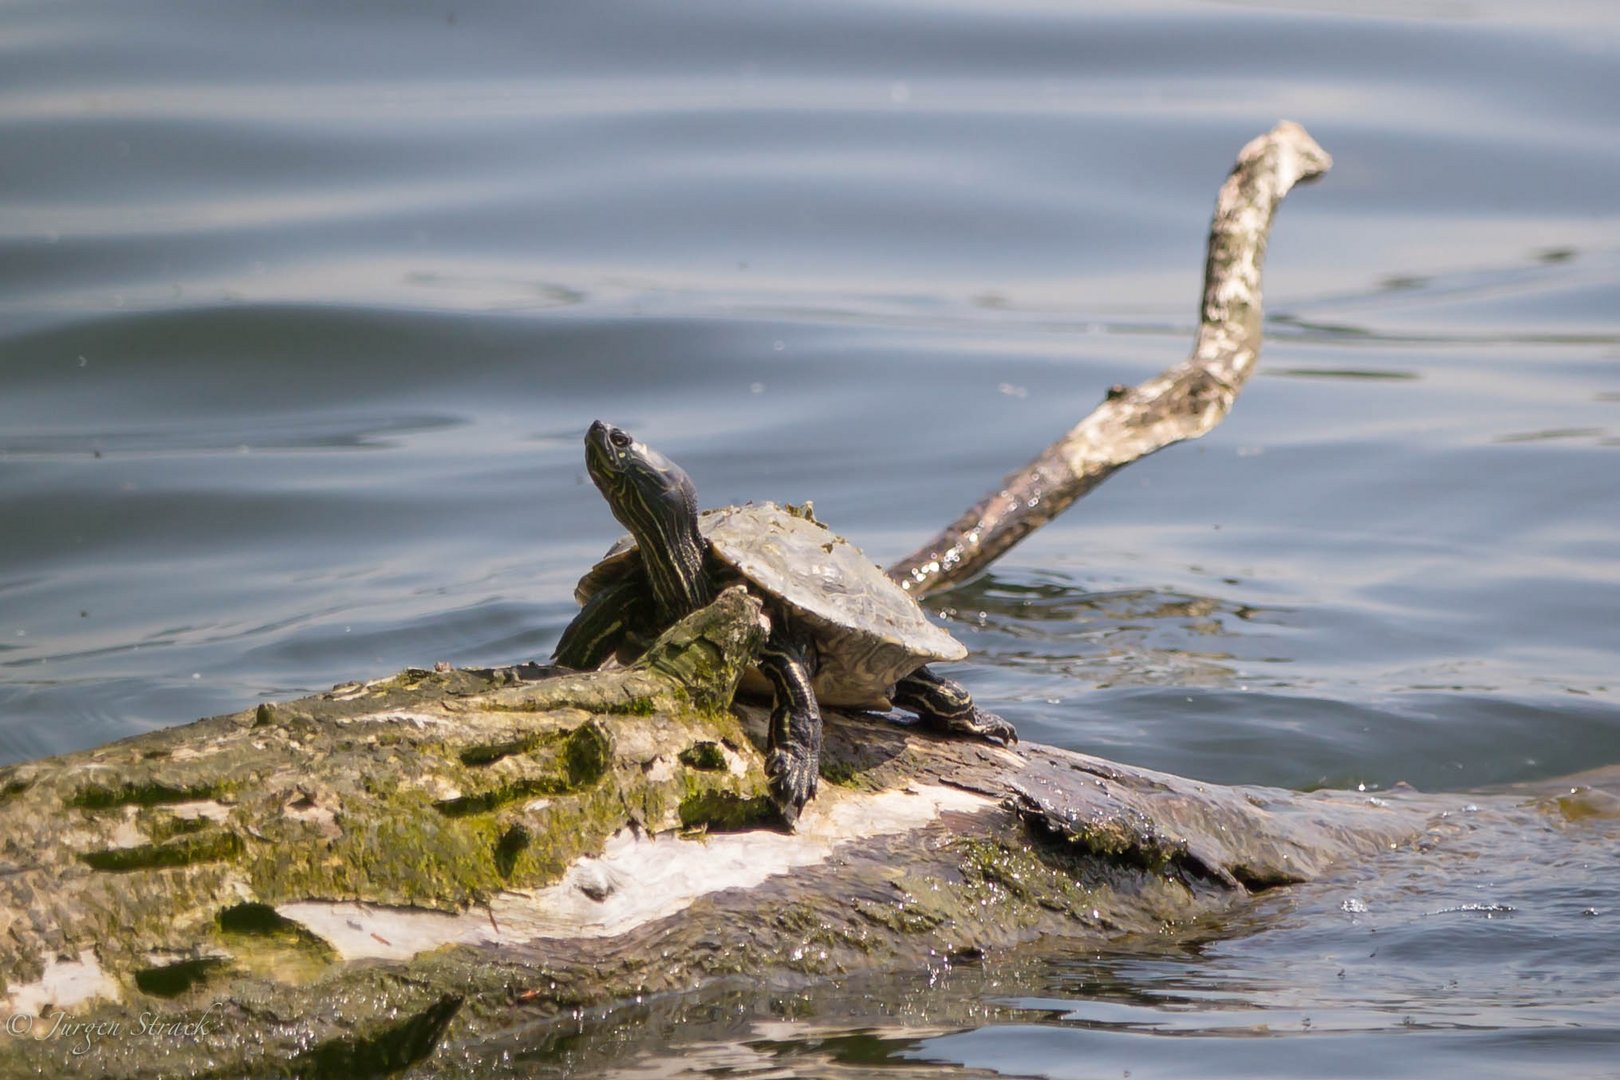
(1182, 403)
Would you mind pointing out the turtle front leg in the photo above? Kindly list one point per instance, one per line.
(602, 624)
(794, 753)
(945, 706)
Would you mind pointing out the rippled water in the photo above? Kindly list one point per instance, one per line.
(304, 307)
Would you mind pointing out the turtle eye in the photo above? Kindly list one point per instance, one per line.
(619, 439)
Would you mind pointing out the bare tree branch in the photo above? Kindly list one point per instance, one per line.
(1182, 403)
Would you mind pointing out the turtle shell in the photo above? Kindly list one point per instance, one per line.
(869, 632)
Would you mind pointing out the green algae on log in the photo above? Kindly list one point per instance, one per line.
(161, 869)
(406, 871)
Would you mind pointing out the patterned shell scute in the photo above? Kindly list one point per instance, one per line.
(822, 574)
(869, 631)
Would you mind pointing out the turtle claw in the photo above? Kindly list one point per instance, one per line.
(793, 777)
(987, 725)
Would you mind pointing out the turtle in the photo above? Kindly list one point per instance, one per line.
(841, 632)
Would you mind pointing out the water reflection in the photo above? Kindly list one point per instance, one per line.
(1341, 373)
(338, 431)
(1549, 296)
(1045, 624)
(1552, 434)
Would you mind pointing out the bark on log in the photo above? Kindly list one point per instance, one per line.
(432, 872)
(1182, 403)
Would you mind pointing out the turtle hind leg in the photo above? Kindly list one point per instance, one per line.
(944, 705)
(793, 757)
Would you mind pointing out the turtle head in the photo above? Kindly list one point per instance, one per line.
(645, 490)
(655, 499)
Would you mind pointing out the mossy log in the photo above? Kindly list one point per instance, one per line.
(424, 873)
